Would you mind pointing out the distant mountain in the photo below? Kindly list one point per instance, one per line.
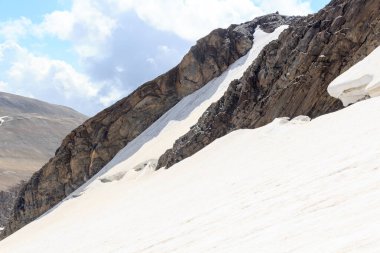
(30, 132)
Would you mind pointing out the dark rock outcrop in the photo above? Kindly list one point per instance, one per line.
(291, 75)
(92, 145)
(7, 200)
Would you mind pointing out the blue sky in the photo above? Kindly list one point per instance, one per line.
(87, 54)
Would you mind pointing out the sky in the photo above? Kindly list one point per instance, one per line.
(87, 54)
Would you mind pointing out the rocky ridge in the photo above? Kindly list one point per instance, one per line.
(291, 75)
(92, 145)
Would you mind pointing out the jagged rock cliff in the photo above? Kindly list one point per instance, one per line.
(291, 75)
(88, 148)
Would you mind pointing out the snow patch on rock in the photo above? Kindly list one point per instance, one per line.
(359, 82)
(302, 119)
(4, 119)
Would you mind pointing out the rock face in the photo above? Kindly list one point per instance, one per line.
(7, 199)
(291, 75)
(92, 145)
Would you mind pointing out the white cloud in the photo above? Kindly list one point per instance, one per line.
(14, 29)
(113, 95)
(58, 23)
(52, 80)
(91, 22)
(119, 69)
(151, 60)
(163, 48)
(86, 25)
(192, 19)
(288, 7)
(3, 86)
(29, 72)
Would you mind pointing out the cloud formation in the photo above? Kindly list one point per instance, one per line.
(14, 29)
(38, 76)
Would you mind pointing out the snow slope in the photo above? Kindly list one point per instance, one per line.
(360, 81)
(291, 186)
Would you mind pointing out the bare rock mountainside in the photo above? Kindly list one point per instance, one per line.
(289, 78)
(291, 75)
(30, 132)
(92, 145)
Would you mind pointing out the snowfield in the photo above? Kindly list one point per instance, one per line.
(290, 186)
(360, 81)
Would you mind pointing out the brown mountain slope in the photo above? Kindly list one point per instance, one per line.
(30, 132)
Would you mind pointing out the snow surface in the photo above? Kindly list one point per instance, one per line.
(290, 186)
(360, 81)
